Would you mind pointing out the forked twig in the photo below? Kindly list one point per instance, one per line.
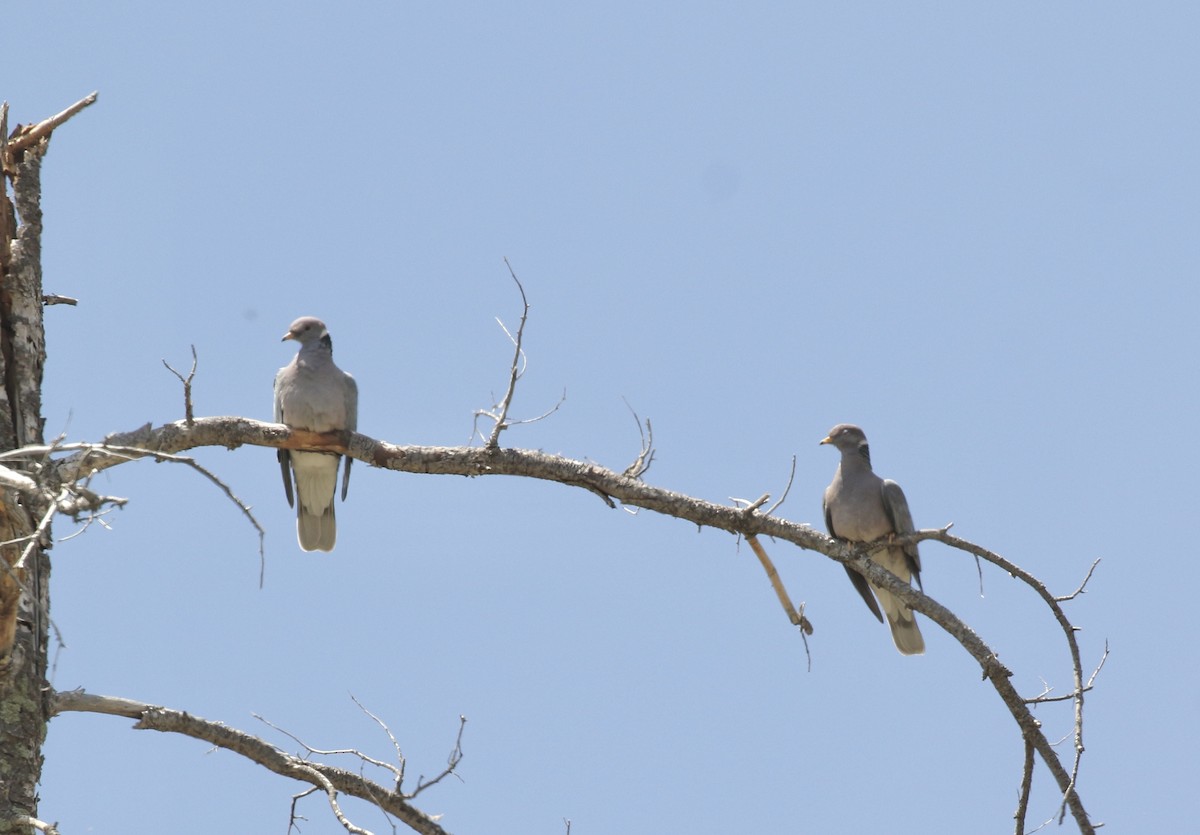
(452, 761)
(498, 414)
(516, 371)
(397, 770)
(189, 415)
(645, 455)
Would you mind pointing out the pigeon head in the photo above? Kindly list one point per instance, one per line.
(843, 436)
(306, 330)
(847, 437)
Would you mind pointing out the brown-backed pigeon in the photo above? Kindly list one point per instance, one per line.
(862, 507)
(312, 393)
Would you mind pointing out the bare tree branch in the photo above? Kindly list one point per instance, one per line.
(39, 825)
(1068, 630)
(75, 497)
(327, 778)
(795, 617)
(617, 487)
(1026, 788)
(29, 135)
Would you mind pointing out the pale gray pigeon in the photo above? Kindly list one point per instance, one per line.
(314, 394)
(862, 507)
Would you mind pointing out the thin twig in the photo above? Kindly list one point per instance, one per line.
(1082, 586)
(400, 759)
(327, 752)
(452, 761)
(293, 814)
(645, 455)
(498, 414)
(188, 414)
(515, 372)
(397, 771)
(510, 422)
(137, 452)
(787, 489)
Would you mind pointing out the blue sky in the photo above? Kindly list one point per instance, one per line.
(970, 230)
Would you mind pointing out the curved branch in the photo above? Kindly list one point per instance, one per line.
(943, 535)
(235, 431)
(326, 778)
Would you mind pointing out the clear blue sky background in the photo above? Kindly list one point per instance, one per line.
(971, 230)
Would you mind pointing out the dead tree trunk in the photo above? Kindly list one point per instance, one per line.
(24, 584)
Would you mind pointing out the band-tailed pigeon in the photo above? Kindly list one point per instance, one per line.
(314, 394)
(862, 507)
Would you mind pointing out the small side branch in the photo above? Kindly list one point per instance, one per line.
(189, 415)
(1082, 586)
(452, 761)
(786, 490)
(796, 617)
(39, 825)
(498, 414)
(29, 135)
(518, 365)
(645, 455)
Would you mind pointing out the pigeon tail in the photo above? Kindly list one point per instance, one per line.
(316, 480)
(905, 633)
(316, 532)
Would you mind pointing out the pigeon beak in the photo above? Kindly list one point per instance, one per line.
(825, 440)
(290, 335)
